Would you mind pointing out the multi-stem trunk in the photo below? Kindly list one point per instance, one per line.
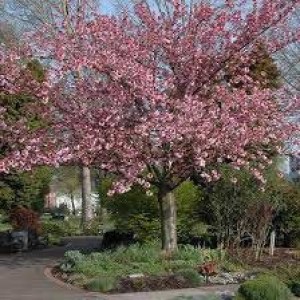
(87, 211)
(168, 218)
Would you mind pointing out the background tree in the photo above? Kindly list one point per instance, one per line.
(29, 187)
(23, 188)
(137, 212)
(289, 59)
(67, 182)
(237, 207)
(29, 15)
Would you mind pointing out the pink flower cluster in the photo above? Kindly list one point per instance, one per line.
(150, 95)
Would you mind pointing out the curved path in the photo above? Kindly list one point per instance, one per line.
(22, 277)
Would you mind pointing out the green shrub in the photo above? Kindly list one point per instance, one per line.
(229, 265)
(55, 228)
(71, 259)
(264, 287)
(5, 227)
(74, 256)
(287, 272)
(78, 279)
(146, 259)
(54, 240)
(134, 211)
(198, 256)
(192, 276)
(101, 284)
(137, 212)
(70, 227)
(295, 287)
(94, 228)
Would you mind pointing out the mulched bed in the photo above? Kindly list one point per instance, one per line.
(58, 274)
(151, 283)
(282, 256)
(139, 284)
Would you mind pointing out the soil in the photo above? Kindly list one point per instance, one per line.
(282, 256)
(152, 283)
(139, 284)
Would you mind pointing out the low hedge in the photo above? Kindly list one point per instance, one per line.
(264, 287)
(294, 286)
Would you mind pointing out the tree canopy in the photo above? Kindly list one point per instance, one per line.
(149, 98)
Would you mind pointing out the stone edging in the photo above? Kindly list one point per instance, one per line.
(62, 284)
(71, 287)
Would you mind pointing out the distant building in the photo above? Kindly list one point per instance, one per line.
(66, 200)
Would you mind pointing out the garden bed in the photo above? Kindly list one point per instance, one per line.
(145, 268)
(282, 256)
(135, 284)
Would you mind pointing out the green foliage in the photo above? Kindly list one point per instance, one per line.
(78, 279)
(71, 258)
(54, 240)
(197, 256)
(264, 287)
(36, 69)
(228, 265)
(5, 227)
(74, 256)
(294, 286)
(225, 205)
(137, 212)
(53, 227)
(95, 227)
(192, 276)
(146, 259)
(187, 200)
(288, 217)
(289, 274)
(25, 188)
(265, 70)
(101, 284)
(56, 229)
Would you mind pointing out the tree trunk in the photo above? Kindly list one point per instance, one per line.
(167, 206)
(87, 211)
(73, 204)
(272, 242)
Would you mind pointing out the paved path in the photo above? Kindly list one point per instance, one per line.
(22, 277)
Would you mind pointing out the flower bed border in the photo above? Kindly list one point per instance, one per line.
(206, 288)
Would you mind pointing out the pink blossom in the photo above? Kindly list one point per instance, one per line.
(143, 97)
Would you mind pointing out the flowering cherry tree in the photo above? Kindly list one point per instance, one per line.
(156, 97)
